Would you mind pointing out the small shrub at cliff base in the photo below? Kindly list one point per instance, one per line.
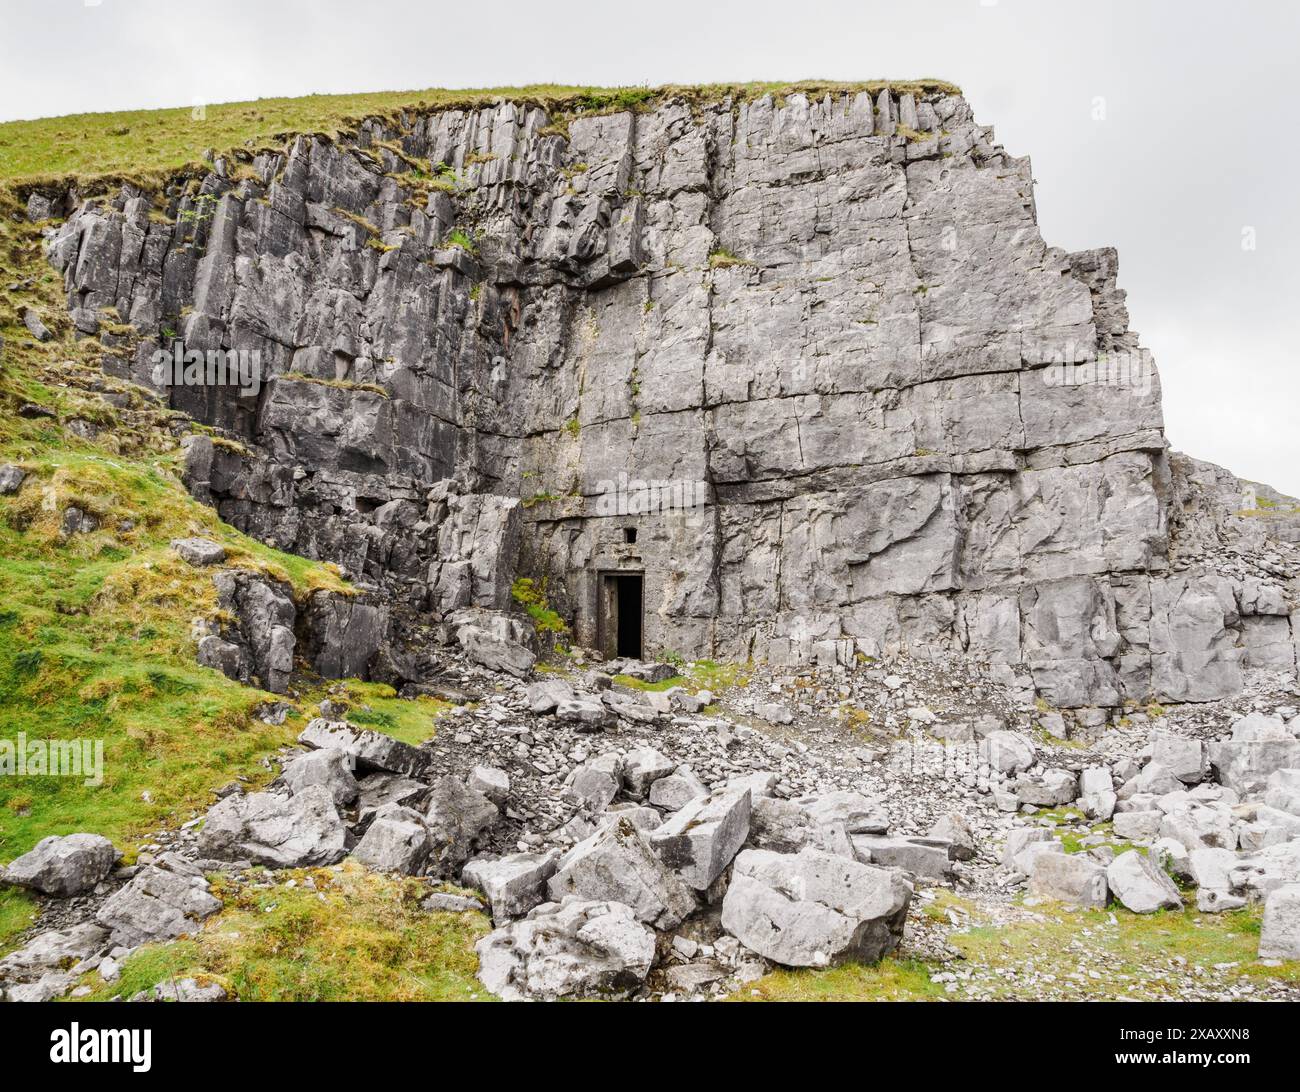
(531, 595)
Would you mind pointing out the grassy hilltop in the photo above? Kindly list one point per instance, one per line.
(142, 142)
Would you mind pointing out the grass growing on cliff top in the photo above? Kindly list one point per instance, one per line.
(336, 934)
(135, 142)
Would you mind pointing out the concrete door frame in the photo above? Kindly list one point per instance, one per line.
(607, 609)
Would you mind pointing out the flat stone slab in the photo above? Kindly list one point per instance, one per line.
(370, 750)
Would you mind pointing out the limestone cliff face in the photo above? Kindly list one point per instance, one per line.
(807, 365)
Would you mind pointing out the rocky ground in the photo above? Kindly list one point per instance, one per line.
(727, 832)
(863, 828)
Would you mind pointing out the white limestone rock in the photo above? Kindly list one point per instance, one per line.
(1138, 884)
(63, 865)
(699, 841)
(581, 948)
(617, 864)
(814, 909)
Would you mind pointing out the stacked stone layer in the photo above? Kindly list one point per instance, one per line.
(870, 409)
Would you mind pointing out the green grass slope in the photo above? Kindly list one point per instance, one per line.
(95, 629)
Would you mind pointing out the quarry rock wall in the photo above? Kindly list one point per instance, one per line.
(804, 363)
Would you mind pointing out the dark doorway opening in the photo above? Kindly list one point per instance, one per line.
(621, 614)
(629, 616)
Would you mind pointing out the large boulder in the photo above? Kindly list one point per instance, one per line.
(1262, 873)
(924, 858)
(1279, 936)
(630, 707)
(486, 646)
(1265, 826)
(457, 817)
(642, 767)
(954, 829)
(1140, 886)
(1049, 789)
(34, 325)
(545, 695)
(160, 903)
(1184, 758)
(1258, 728)
(513, 885)
(397, 840)
(1007, 752)
(199, 551)
(699, 841)
(276, 830)
(784, 826)
(11, 476)
(858, 814)
(1137, 826)
(617, 864)
(66, 865)
(1069, 878)
(330, 769)
(641, 816)
(1210, 868)
(596, 783)
(586, 714)
(492, 781)
(1283, 791)
(678, 789)
(380, 788)
(814, 909)
(1154, 778)
(575, 949)
(1259, 747)
(1195, 824)
(368, 750)
(1097, 795)
(1025, 843)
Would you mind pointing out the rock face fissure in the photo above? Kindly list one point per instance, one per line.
(807, 366)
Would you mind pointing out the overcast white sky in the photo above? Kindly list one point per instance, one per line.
(1197, 143)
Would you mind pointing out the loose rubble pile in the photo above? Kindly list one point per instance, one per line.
(1223, 816)
(664, 843)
